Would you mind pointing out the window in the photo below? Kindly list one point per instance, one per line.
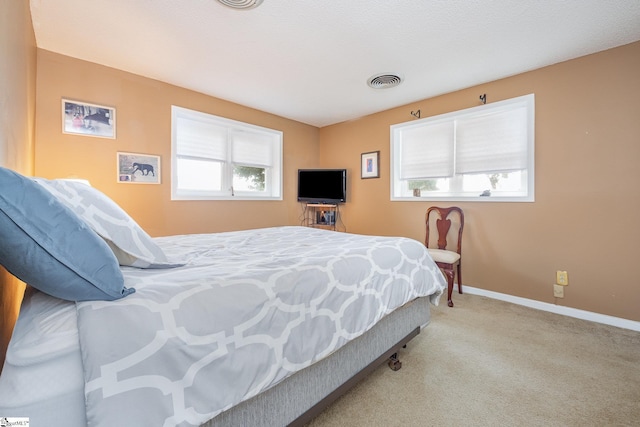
(484, 153)
(221, 159)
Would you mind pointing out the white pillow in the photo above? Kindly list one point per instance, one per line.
(131, 245)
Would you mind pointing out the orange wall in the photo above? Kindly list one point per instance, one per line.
(143, 125)
(17, 118)
(587, 184)
(587, 133)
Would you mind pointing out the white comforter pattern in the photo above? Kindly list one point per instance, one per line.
(248, 309)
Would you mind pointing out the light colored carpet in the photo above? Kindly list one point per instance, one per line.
(491, 363)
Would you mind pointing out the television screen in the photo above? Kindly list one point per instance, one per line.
(322, 185)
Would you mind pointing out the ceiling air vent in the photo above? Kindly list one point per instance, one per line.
(384, 81)
(241, 4)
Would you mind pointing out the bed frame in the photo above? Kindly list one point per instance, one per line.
(301, 397)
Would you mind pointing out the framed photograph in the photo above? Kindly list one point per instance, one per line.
(370, 167)
(81, 118)
(138, 168)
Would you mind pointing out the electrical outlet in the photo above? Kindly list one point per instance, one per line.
(558, 291)
(562, 278)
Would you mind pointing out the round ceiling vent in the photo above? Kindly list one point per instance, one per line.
(241, 4)
(384, 81)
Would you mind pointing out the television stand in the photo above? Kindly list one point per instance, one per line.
(321, 215)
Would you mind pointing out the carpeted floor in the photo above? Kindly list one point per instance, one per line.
(491, 363)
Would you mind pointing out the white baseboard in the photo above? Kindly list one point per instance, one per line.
(558, 309)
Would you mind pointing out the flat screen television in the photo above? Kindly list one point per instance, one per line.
(322, 185)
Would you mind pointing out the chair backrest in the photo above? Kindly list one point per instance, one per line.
(441, 219)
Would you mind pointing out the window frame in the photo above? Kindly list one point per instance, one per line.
(273, 173)
(457, 195)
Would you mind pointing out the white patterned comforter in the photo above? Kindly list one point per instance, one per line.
(247, 310)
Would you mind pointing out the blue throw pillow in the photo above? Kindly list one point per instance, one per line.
(44, 244)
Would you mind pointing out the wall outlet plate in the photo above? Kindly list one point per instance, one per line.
(558, 291)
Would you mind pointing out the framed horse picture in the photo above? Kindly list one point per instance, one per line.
(136, 168)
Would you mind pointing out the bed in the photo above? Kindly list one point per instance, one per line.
(256, 327)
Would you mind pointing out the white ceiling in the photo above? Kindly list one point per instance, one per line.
(310, 60)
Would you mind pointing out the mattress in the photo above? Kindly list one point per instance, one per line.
(61, 400)
(42, 378)
(292, 399)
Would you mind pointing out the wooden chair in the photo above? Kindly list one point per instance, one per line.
(449, 260)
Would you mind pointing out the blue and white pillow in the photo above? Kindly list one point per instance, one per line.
(46, 245)
(131, 245)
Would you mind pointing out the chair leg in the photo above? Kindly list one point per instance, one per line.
(459, 277)
(449, 274)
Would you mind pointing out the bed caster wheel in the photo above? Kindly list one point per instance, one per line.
(394, 363)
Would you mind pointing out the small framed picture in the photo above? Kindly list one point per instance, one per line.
(81, 118)
(370, 165)
(138, 168)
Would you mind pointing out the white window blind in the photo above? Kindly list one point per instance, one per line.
(252, 149)
(494, 142)
(201, 139)
(427, 151)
